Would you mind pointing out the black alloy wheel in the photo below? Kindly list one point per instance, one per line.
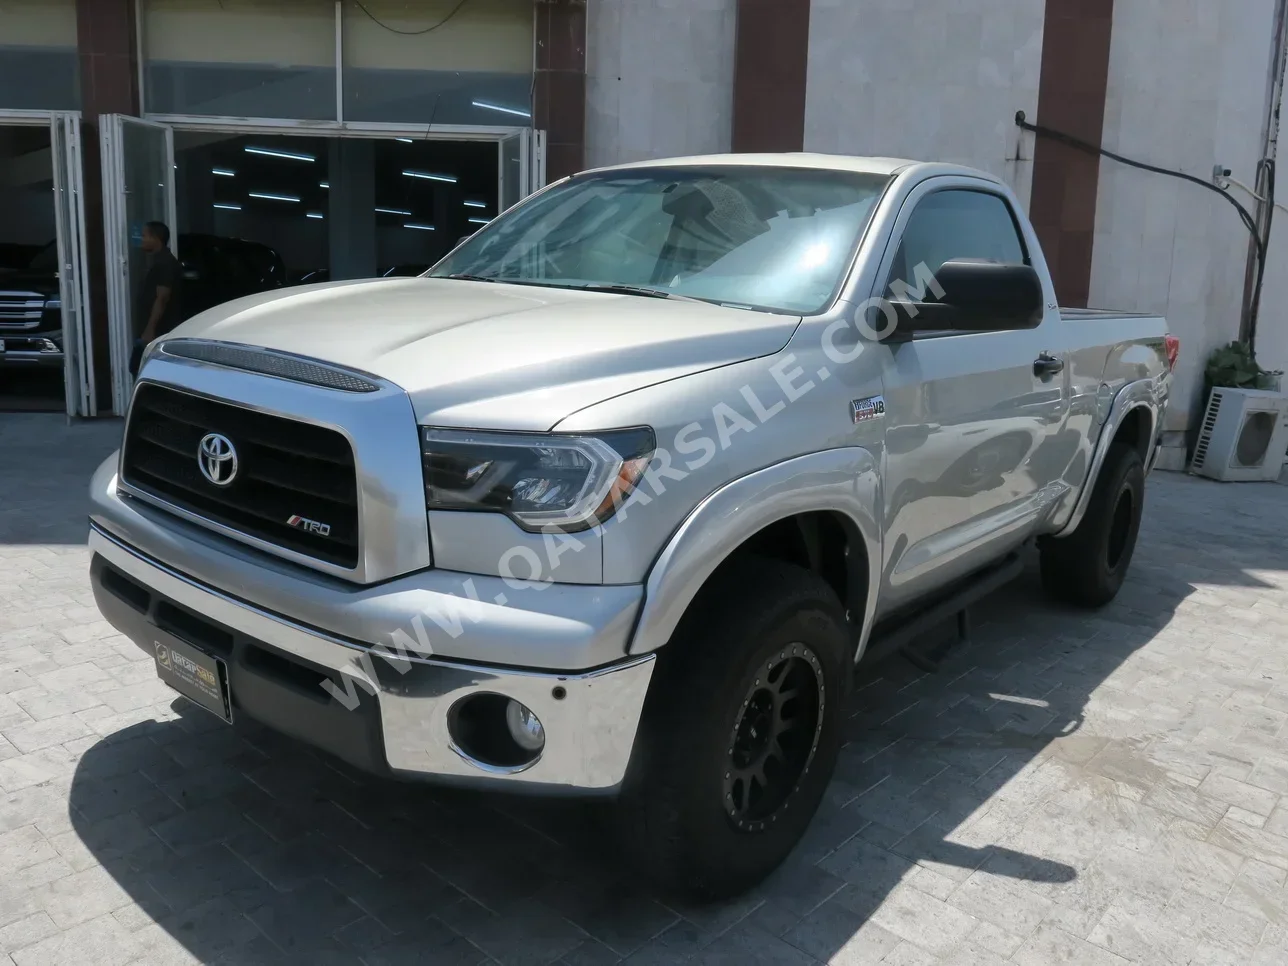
(774, 738)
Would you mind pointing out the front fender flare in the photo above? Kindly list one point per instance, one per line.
(844, 481)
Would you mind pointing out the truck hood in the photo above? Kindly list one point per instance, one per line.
(43, 283)
(491, 356)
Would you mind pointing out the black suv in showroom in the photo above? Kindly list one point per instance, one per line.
(215, 270)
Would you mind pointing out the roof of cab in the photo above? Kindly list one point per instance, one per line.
(830, 162)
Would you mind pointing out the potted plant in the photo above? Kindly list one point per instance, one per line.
(1235, 366)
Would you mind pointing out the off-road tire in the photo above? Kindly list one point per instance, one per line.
(1087, 567)
(757, 618)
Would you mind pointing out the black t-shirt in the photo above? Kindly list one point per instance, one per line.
(163, 272)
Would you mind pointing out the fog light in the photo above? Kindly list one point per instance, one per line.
(524, 727)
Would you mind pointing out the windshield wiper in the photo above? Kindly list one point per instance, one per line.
(641, 290)
(503, 279)
(612, 287)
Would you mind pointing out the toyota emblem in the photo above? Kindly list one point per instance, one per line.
(217, 459)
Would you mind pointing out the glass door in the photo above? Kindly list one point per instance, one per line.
(138, 187)
(512, 171)
(73, 275)
(538, 161)
(522, 167)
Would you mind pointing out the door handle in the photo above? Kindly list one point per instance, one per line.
(1046, 365)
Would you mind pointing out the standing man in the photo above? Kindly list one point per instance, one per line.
(158, 297)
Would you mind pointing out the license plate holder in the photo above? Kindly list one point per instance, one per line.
(200, 677)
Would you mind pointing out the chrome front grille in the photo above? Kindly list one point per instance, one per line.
(21, 310)
(294, 484)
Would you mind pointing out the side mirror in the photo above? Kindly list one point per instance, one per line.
(976, 297)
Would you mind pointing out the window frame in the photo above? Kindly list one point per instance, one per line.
(908, 209)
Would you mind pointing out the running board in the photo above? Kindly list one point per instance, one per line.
(899, 633)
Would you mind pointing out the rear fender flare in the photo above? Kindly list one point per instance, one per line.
(1141, 394)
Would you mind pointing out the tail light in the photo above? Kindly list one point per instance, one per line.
(1173, 351)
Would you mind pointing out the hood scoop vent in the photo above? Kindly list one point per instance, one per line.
(269, 362)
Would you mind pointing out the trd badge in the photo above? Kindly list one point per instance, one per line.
(309, 526)
(870, 407)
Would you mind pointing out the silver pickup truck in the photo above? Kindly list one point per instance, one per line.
(613, 498)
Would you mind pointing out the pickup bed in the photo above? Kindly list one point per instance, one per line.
(613, 498)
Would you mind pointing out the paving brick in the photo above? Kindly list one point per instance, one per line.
(1245, 817)
(1001, 901)
(924, 920)
(80, 896)
(24, 847)
(1050, 945)
(37, 768)
(910, 954)
(997, 941)
(832, 931)
(1248, 797)
(26, 932)
(41, 704)
(102, 942)
(1252, 843)
(35, 735)
(76, 677)
(1216, 924)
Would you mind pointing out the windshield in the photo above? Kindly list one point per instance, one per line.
(778, 239)
(46, 260)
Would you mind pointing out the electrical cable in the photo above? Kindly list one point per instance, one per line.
(1266, 172)
(1266, 168)
(1243, 187)
(410, 33)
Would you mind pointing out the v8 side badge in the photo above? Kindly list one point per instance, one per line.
(870, 407)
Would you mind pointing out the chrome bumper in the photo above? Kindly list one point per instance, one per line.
(26, 357)
(590, 718)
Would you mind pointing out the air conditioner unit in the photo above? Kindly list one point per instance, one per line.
(1244, 436)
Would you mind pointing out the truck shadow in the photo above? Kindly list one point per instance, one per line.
(246, 847)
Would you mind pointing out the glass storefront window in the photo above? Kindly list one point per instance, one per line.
(438, 62)
(240, 58)
(38, 60)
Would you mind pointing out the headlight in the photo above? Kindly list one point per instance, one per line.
(541, 481)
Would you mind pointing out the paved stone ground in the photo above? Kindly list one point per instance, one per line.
(1070, 789)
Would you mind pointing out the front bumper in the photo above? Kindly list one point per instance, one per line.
(386, 715)
(28, 351)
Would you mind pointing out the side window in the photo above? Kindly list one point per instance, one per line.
(956, 224)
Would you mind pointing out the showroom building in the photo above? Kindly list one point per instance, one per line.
(289, 140)
(281, 141)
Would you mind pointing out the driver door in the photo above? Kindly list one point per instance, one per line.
(970, 424)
